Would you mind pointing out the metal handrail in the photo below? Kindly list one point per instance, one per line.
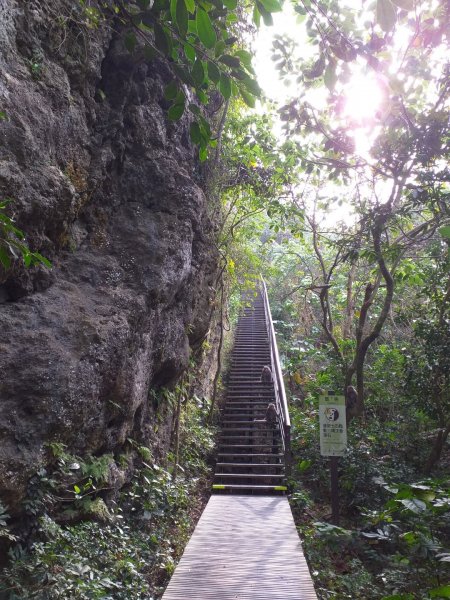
(278, 382)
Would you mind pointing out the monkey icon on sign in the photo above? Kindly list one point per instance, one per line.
(331, 414)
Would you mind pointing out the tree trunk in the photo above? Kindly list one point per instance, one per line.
(363, 343)
(350, 305)
(436, 450)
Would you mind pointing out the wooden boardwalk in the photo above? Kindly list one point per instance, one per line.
(244, 548)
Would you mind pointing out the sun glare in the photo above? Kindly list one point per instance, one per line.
(363, 99)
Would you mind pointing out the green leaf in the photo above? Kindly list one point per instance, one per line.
(256, 16)
(410, 537)
(205, 127)
(190, 5)
(179, 14)
(213, 72)
(203, 154)
(414, 505)
(180, 98)
(220, 47)
(173, 10)
(4, 258)
(161, 39)
(252, 86)
(198, 73)
(42, 259)
(267, 17)
(194, 109)
(176, 112)
(76, 489)
(246, 57)
(231, 61)
(230, 4)
(190, 52)
(386, 14)
(195, 133)
(225, 86)
(247, 98)
(445, 232)
(2, 115)
(205, 29)
(202, 96)
(330, 77)
(440, 592)
(183, 74)
(231, 18)
(426, 495)
(130, 42)
(405, 4)
(304, 465)
(239, 74)
(271, 5)
(171, 91)
(192, 27)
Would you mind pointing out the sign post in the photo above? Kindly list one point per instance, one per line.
(333, 441)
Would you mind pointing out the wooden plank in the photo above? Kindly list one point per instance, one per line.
(243, 548)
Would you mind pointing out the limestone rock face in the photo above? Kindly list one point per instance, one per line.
(108, 190)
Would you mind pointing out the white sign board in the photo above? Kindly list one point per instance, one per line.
(333, 425)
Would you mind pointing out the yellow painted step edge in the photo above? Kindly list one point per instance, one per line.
(277, 488)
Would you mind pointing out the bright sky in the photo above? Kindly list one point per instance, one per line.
(288, 23)
(365, 93)
(285, 23)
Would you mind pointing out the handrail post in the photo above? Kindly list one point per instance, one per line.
(287, 451)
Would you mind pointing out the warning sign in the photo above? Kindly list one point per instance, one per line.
(333, 425)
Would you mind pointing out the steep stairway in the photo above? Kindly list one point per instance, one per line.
(246, 544)
(251, 449)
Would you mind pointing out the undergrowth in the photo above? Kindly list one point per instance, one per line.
(392, 543)
(86, 546)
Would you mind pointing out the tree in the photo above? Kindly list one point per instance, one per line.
(429, 366)
(397, 188)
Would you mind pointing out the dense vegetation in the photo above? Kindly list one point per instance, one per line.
(354, 240)
(82, 539)
(360, 297)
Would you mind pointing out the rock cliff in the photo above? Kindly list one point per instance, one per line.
(110, 191)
